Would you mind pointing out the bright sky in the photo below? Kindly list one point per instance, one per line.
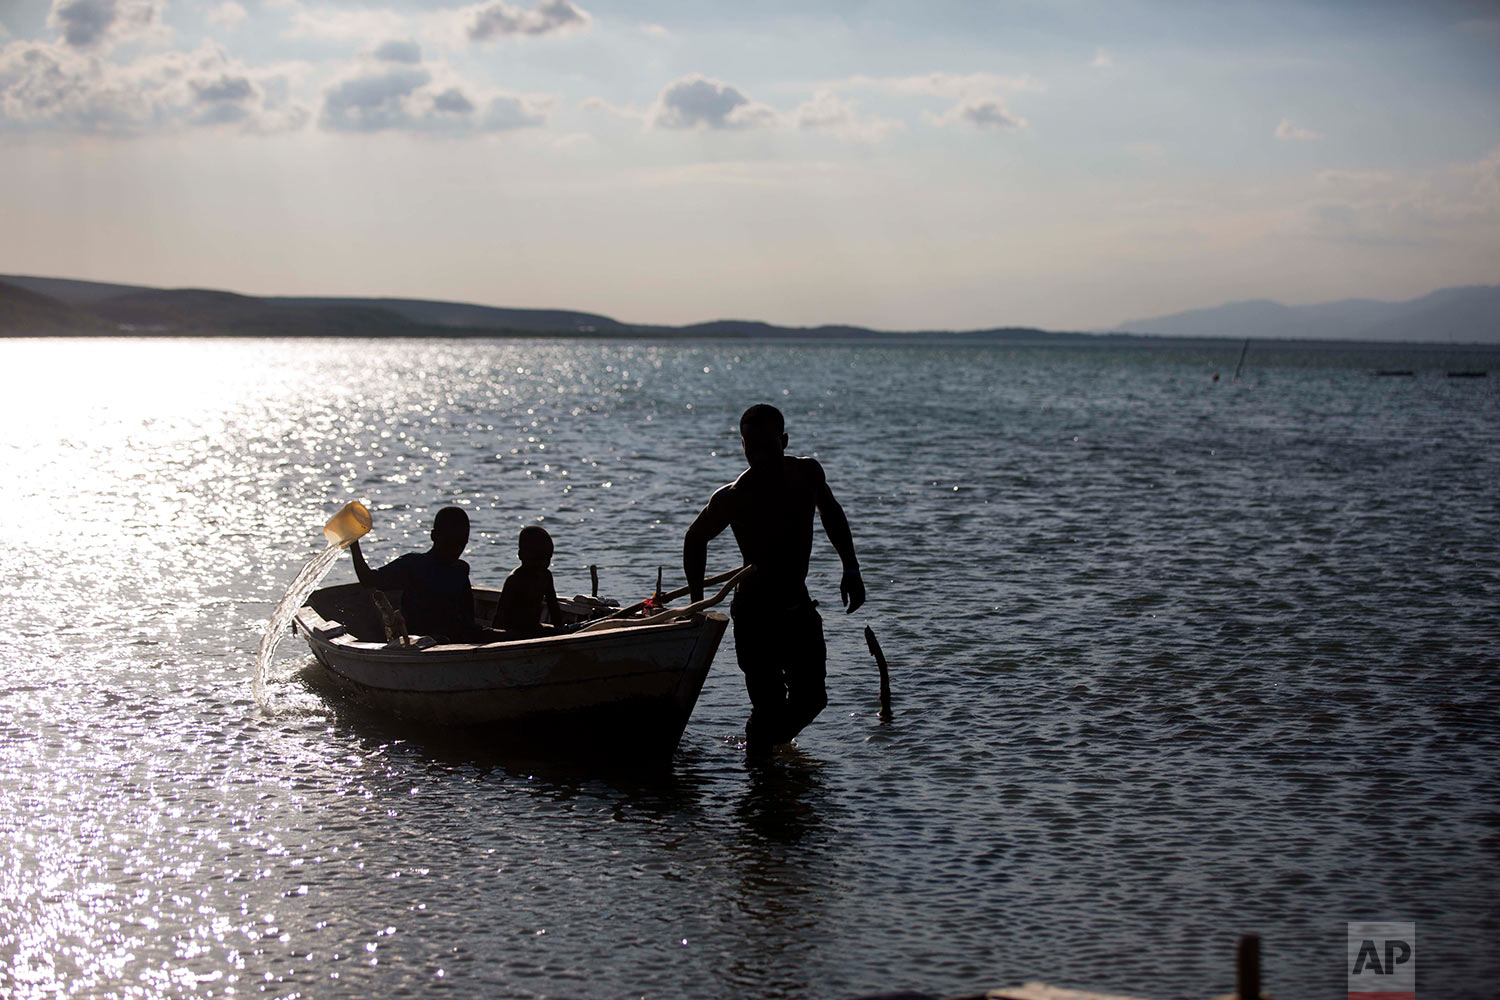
(1068, 164)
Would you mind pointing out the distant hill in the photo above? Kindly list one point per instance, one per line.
(463, 315)
(23, 310)
(1468, 314)
(40, 306)
(111, 308)
(70, 290)
(144, 308)
(196, 310)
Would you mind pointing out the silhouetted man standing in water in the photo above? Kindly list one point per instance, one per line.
(778, 634)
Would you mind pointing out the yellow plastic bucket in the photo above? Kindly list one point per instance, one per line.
(348, 525)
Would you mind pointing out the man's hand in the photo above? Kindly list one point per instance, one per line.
(851, 591)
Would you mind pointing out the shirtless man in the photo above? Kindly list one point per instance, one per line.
(778, 634)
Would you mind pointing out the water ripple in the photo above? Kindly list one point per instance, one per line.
(1172, 660)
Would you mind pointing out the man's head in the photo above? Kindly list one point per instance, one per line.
(450, 531)
(534, 546)
(763, 434)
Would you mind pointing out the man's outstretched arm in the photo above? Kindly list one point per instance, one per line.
(361, 568)
(836, 527)
(705, 527)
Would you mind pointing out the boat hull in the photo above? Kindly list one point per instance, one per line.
(636, 684)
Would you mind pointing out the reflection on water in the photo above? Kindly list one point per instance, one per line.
(1172, 659)
(783, 797)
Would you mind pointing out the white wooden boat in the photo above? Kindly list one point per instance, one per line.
(628, 682)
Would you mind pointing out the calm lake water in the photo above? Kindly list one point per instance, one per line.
(1173, 660)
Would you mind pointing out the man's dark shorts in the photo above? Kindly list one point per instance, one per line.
(784, 659)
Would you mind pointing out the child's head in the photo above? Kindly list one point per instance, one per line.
(450, 530)
(534, 546)
(763, 434)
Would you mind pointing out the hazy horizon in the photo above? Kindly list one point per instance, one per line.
(1070, 167)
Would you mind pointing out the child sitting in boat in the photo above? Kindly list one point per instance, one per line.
(528, 587)
(436, 598)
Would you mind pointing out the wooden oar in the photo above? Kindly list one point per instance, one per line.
(668, 596)
(733, 577)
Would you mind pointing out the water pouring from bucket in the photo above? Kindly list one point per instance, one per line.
(343, 529)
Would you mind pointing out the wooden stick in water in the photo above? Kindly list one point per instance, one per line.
(885, 674)
(594, 580)
(1247, 967)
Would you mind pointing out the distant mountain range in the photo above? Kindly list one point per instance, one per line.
(1469, 314)
(35, 306)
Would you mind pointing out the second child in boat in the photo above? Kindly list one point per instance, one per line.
(529, 588)
(436, 598)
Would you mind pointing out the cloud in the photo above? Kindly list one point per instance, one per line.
(1287, 132)
(98, 24)
(947, 85)
(982, 113)
(54, 87)
(1451, 203)
(978, 98)
(489, 21)
(698, 102)
(221, 89)
(453, 101)
(390, 96)
(399, 51)
(509, 111)
(372, 101)
(610, 108)
(345, 25)
(227, 15)
(828, 112)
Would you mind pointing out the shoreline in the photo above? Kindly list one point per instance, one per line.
(871, 339)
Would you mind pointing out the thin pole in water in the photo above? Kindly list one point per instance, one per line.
(1242, 359)
(1247, 967)
(594, 580)
(885, 674)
